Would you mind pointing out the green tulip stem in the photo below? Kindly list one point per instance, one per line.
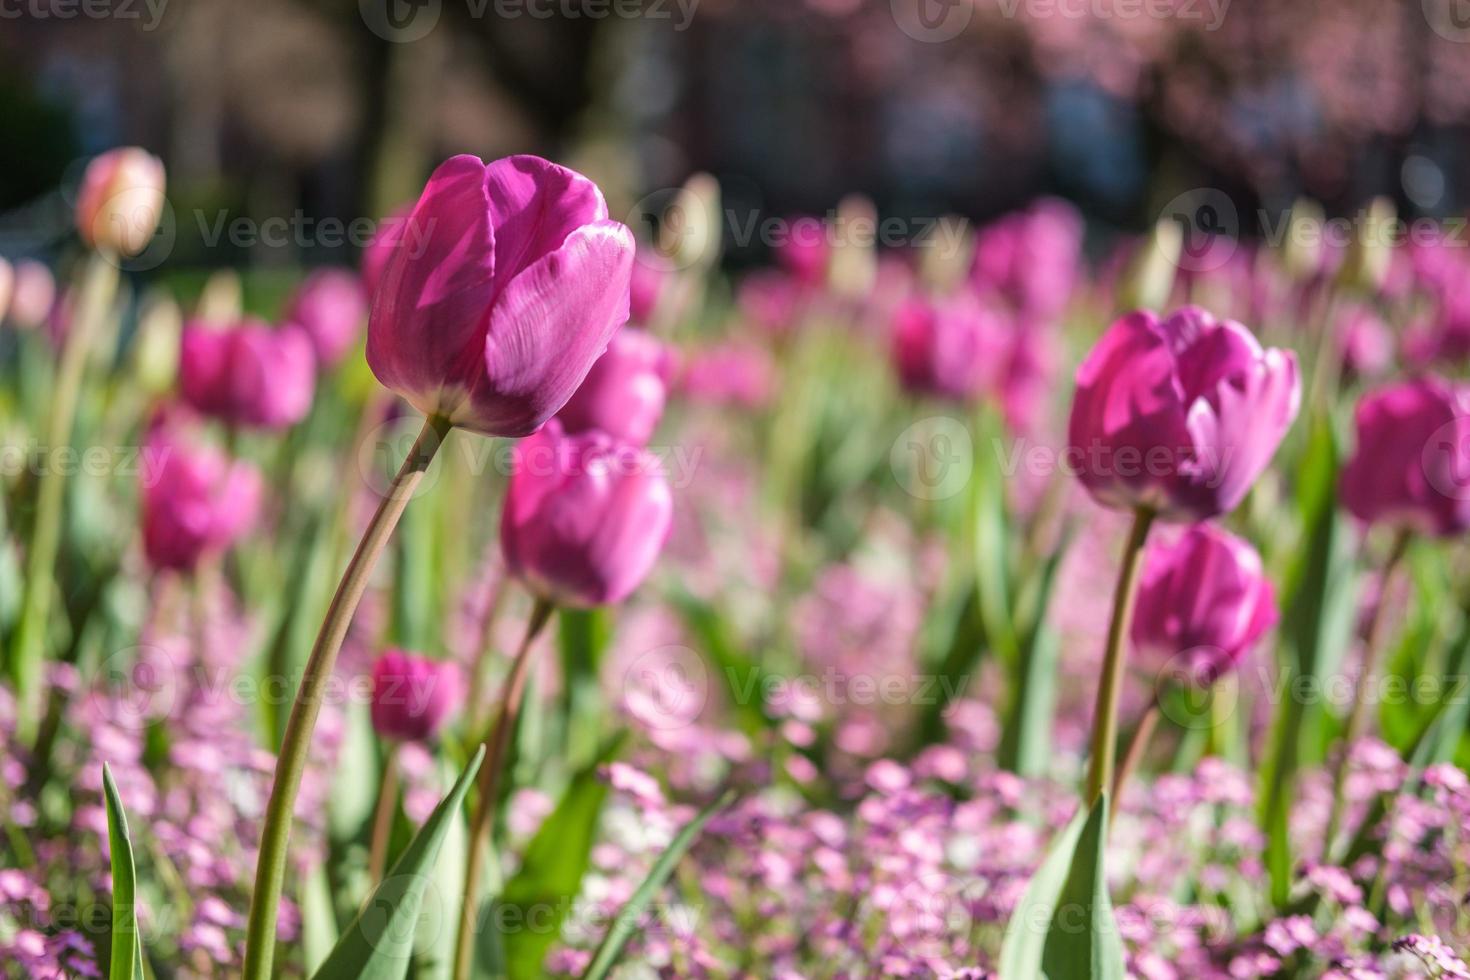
(483, 819)
(1105, 715)
(270, 869)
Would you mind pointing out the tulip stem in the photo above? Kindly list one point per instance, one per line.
(1358, 712)
(383, 816)
(99, 287)
(483, 819)
(1105, 714)
(270, 870)
(1133, 755)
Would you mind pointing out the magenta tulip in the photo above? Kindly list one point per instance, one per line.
(121, 200)
(1411, 464)
(585, 517)
(651, 278)
(1203, 602)
(1179, 416)
(770, 299)
(728, 374)
(948, 347)
(1367, 344)
(248, 374)
(1031, 257)
(195, 500)
(413, 696)
(331, 307)
(520, 283)
(805, 251)
(625, 391)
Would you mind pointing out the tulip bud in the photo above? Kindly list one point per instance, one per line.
(195, 500)
(493, 319)
(222, 300)
(1149, 281)
(1302, 253)
(1203, 602)
(585, 517)
(689, 230)
(1410, 468)
(854, 265)
(121, 201)
(1371, 250)
(1179, 416)
(805, 252)
(248, 374)
(331, 307)
(1031, 258)
(156, 344)
(946, 253)
(625, 391)
(32, 295)
(413, 696)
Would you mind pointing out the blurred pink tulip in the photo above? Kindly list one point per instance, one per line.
(1179, 416)
(949, 346)
(585, 517)
(413, 696)
(520, 284)
(121, 200)
(1411, 465)
(805, 251)
(248, 374)
(651, 277)
(1367, 344)
(1031, 257)
(731, 373)
(770, 300)
(195, 500)
(625, 391)
(7, 287)
(390, 233)
(331, 307)
(1203, 601)
(33, 293)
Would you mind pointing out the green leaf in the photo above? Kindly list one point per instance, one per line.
(530, 911)
(318, 919)
(626, 923)
(960, 625)
(582, 636)
(379, 942)
(1025, 938)
(126, 960)
(745, 679)
(1083, 940)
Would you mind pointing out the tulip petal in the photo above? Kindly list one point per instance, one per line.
(548, 327)
(535, 205)
(1235, 431)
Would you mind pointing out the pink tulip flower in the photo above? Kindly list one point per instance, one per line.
(32, 295)
(770, 299)
(1411, 465)
(121, 200)
(196, 501)
(520, 283)
(1179, 416)
(1031, 258)
(585, 517)
(389, 234)
(413, 696)
(728, 374)
(1203, 602)
(625, 391)
(331, 307)
(248, 374)
(950, 347)
(651, 278)
(805, 251)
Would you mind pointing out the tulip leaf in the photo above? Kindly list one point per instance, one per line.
(1083, 939)
(1026, 933)
(126, 959)
(539, 896)
(961, 626)
(626, 923)
(582, 635)
(378, 944)
(318, 918)
(745, 679)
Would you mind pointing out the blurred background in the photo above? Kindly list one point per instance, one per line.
(323, 113)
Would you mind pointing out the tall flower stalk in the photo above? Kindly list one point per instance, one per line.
(1105, 714)
(270, 871)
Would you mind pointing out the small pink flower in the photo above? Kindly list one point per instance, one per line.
(331, 307)
(248, 374)
(121, 200)
(195, 500)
